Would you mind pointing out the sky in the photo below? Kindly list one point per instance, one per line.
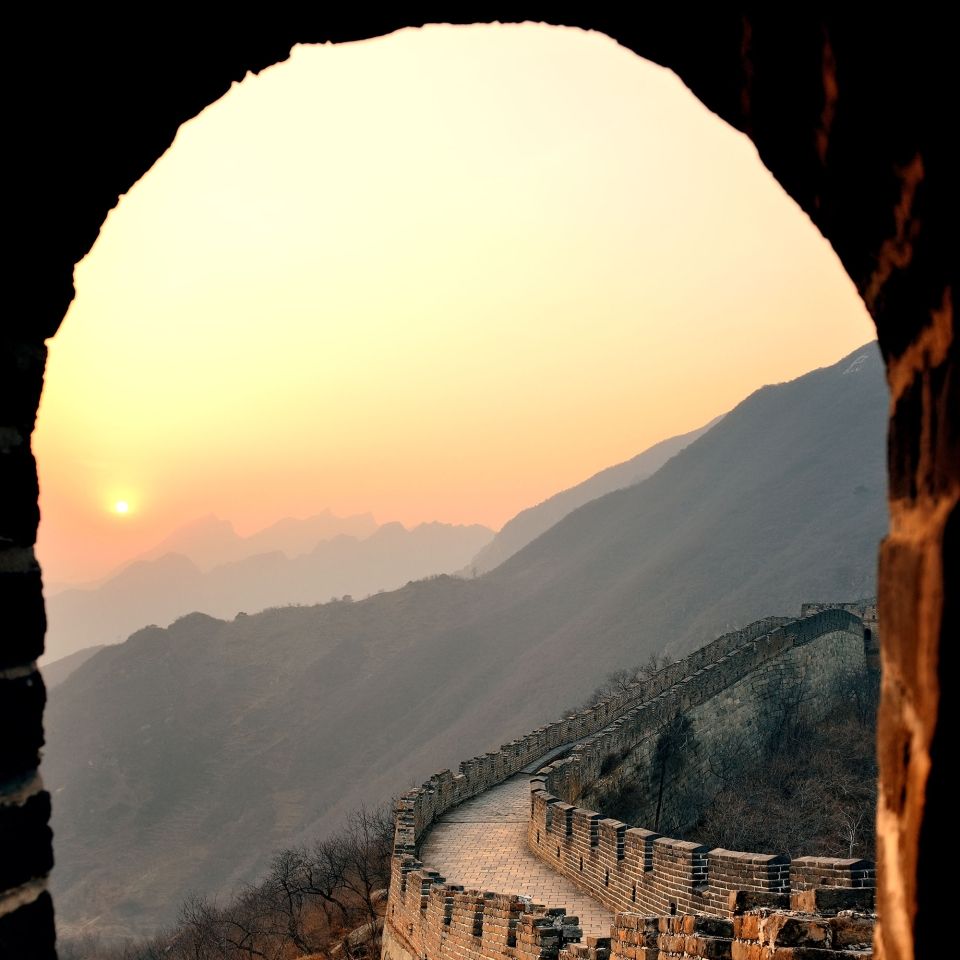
(438, 275)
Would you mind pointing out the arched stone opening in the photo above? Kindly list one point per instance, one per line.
(849, 115)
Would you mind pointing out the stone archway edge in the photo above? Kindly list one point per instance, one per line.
(852, 114)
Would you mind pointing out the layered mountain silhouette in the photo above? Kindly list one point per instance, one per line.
(210, 541)
(159, 590)
(530, 523)
(179, 759)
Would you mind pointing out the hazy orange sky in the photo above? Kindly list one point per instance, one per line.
(438, 275)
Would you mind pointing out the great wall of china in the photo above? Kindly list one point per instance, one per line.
(499, 861)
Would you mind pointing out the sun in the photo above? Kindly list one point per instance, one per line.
(121, 507)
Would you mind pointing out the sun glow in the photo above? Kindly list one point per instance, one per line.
(121, 507)
(431, 295)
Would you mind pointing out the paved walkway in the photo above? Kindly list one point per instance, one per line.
(482, 844)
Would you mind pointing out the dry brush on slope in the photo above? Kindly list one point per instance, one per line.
(324, 899)
(812, 791)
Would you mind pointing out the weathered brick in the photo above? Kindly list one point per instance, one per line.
(792, 931)
(851, 930)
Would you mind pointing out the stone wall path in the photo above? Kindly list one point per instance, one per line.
(482, 844)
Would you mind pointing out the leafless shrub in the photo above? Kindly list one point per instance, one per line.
(310, 901)
(622, 681)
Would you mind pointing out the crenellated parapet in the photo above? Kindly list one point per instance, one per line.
(633, 869)
(630, 870)
(429, 918)
(417, 809)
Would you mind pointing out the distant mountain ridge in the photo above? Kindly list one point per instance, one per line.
(160, 590)
(529, 524)
(210, 541)
(199, 749)
(201, 566)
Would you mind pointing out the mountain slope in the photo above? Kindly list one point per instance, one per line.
(527, 525)
(180, 758)
(158, 591)
(56, 672)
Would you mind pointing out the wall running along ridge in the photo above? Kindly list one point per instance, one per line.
(866, 610)
(623, 868)
(633, 868)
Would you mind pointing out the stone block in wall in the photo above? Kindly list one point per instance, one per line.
(538, 938)
(634, 930)
(562, 818)
(828, 900)
(853, 931)
(746, 926)
(638, 844)
(808, 872)
(732, 870)
(595, 948)
(681, 863)
(784, 930)
(586, 825)
(742, 901)
(783, 935)
(693, 936)
(708, 926)
(612, 838)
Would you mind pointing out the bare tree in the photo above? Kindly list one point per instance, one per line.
(288, 889)
(811, 792)
(325, 866)
(621, 682)
(862, 689)
(853, 822)
(197, 922)
(246, 927)
(367, 846)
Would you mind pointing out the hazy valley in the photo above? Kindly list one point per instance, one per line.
(207, 569)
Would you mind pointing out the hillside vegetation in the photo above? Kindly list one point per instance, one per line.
(322, 899)
(811, 791)
(179, 759)
(814, 793)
